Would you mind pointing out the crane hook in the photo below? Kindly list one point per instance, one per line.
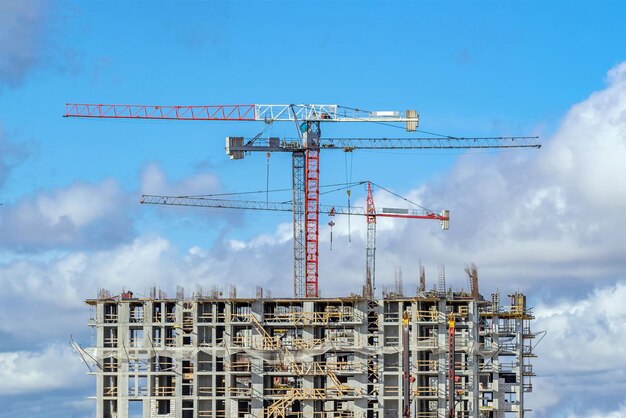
(331, 223)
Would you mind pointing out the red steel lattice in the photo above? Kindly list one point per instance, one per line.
(311, 216)
(117, 111)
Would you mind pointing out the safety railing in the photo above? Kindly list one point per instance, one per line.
(135, 342)
(109, 367)
(391, 368)
(164, 391)
(527, 370)
(314, 368)
(136, 365)
(507, 367)
(110, 342)
(427, 342)
(427, 315)
(239, 366)
(140, 392)
(426, 365)
(110, 318)
(137, 318)
(240, 392)
(508, 346)
(391, 317)
(205, 390)
(311, 393)
(389, 390)
(109, 392)
(164, 366)
(322, 414)
(240, 317)
(426, 391)
(314, 318)
(204, 317)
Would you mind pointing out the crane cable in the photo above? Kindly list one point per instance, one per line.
(344, 186)
(267, 179)
(348, 191)
(337, 187)
(212, 195)
(403, 198)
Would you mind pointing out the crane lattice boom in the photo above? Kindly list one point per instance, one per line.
(236, 147)
(205, 202)
(242, 112)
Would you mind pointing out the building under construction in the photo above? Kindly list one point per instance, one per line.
(437, 354)
(440, 353)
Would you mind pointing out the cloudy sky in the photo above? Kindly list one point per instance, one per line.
(548, 222)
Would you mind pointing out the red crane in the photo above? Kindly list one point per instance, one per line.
(305, 153)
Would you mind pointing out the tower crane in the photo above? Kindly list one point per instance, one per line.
(369, 212)
(305, 150)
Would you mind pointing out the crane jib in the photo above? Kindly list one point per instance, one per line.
(242, 112)
(284, 207)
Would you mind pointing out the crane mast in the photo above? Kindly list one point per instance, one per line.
(305, 153)
(370, 248)
(306, 280)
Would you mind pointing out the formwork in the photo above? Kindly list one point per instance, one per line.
(217, 357)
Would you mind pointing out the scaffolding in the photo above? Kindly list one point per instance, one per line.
(209, 356)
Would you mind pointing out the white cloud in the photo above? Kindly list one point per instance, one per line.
(55, 367)
(77, 204)
(90, 215)
(154, 181)
(544, 397)
(581, 361)
(283, 234)
(69, 279)
(81, 215)
(620, 412)
(584, 335)
(65, 281)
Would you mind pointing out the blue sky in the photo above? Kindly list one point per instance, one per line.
(547, 222)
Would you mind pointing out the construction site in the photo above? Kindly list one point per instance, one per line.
(438, 353)
(399, 356)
